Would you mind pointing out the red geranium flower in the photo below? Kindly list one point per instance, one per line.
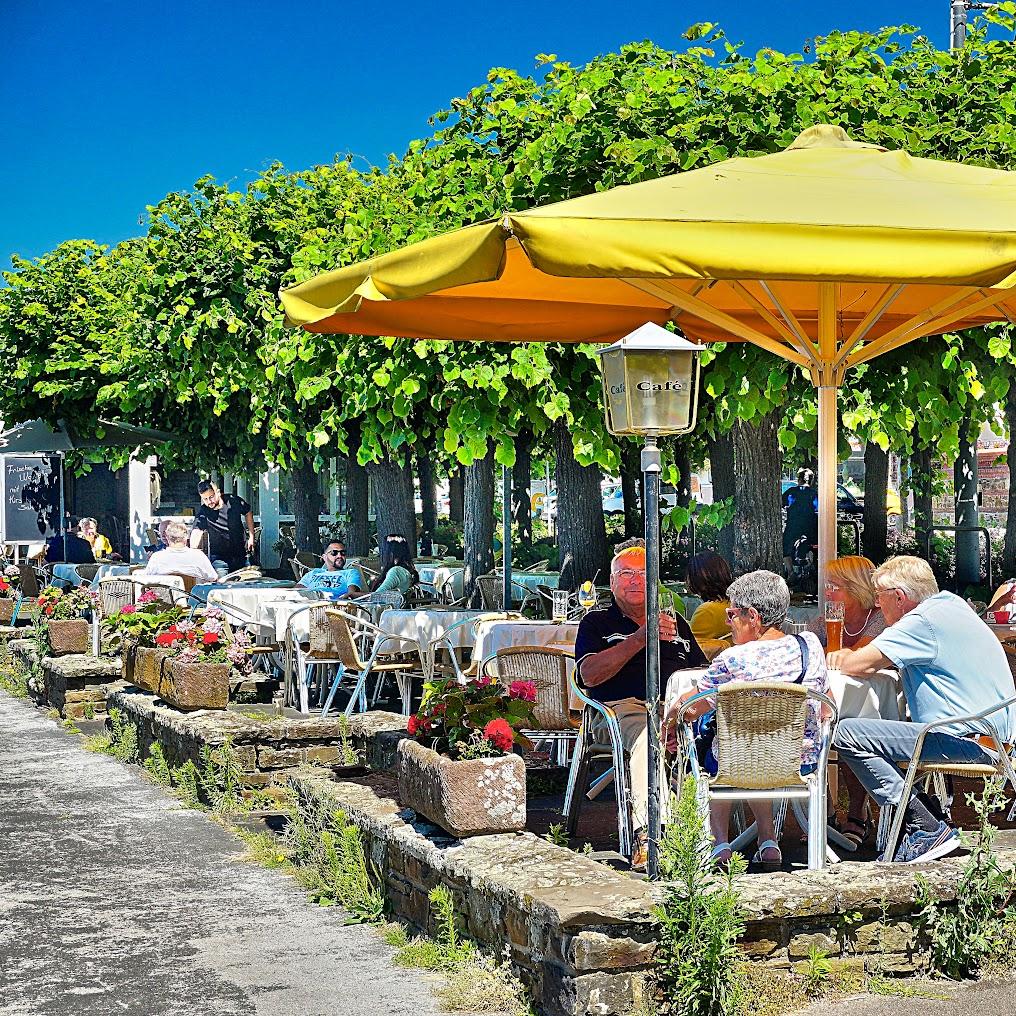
(414, 725)
(4, 585)
(169, 637)
(524, 690)
(500, 734)
(210, 638)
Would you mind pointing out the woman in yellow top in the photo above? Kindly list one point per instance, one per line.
(708, 578)
(101, 547)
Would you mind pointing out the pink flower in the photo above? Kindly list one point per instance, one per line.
(500, 734)
(148, 596)
(524, 690)
(128, 608)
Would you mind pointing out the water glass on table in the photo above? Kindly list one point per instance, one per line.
(833, 626)
(559, 605)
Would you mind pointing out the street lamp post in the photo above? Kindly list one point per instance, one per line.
(958, 19)
(650, 389)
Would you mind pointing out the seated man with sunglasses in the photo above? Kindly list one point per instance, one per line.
(610, 650)
(951, 664)
(334, 580)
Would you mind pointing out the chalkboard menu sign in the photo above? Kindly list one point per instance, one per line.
(31, 497)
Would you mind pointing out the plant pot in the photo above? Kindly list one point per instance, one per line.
(66, 637)
(470, 798)
(6, 610)
(195, 685)
(144, 667)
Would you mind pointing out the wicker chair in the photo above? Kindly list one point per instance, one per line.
(248, 573)
(548, 669)
(759, 735)
(303, 657)
(302, 562)
(891, 818)
(359, 647)
(538, 566)
(491, 589)
(432, 661)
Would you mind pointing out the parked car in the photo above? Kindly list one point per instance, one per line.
(613, 501)
(851, 506)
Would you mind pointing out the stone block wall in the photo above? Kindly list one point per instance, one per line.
(78, 686)
(266, 750)
(583, 937)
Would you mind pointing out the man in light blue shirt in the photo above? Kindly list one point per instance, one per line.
(951, 665)
(334, 579)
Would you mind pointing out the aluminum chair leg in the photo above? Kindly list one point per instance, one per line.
(359, 696)
(305, 677)
(405, 683)
(816, 825)
(577, 776)
(336, 681)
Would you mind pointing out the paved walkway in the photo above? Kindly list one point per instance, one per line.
(978, 999)
(114, 899)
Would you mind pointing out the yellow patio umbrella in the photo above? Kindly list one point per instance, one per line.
(826, 254)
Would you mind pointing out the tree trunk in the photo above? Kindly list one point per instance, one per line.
(307, 504)
(478, 523)
(968, 544)
(522, 476)
(721, 465)
(631, 488)
(876, 480)
(921, 463)
(456, 496)
(581, 533)
(682, 459)
(757, 522)
(1009, 550)
(407, 478)
(357, 500)
(394, 512)
(428, 491)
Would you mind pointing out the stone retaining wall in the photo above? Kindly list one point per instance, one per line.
(266, 750)
(582, 935)
(78, 686)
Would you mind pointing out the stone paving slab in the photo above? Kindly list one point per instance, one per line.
(114, 899)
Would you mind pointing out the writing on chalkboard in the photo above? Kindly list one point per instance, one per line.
(31, 497)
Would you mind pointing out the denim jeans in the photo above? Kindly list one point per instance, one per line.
(872, 747)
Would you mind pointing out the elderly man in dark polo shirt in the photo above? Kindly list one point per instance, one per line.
(611, 653)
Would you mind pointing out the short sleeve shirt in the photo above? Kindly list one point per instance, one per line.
(775, 660)
(951, 664)
(602, 629)
(224, 527)
(333, 583)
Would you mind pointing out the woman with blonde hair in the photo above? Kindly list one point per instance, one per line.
(849, 581)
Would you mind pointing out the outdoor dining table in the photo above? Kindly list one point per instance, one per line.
(425, 624)
(272, 614)
(452, 575)
(492, 636)
(244, 596)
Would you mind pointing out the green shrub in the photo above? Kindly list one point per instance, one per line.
(157, 767)
(185, 782)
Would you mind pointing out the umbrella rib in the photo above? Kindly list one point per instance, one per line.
(792, 323)
(881, 305)
(699, 308)
(932, 321)
(767, 315)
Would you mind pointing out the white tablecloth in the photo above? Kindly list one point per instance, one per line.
(494, 635)
(426, 624)
(272, 616)
(437, 575)
(245, 599)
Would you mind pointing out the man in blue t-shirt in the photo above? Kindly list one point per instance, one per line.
(334, 579)
(951, 665)
(610, 653)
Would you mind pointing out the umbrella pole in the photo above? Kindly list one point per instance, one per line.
(827, 474)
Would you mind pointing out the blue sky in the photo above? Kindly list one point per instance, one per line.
(110, 105)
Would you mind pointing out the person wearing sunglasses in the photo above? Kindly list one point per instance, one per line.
(610, 650)
(334, 579)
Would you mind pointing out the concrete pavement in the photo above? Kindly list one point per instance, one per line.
(115, 899)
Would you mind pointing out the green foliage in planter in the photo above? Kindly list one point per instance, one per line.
(966, 934)
(700, 918)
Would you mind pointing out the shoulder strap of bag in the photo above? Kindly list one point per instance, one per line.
(802, 643)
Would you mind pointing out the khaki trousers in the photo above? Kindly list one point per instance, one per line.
(631, 718)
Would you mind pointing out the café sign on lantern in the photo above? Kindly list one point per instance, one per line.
(650, 383)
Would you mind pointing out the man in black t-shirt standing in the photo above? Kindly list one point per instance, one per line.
(610, 650)
(222, 516)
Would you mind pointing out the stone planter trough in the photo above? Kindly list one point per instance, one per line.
(470, 798)
(6, 610)
(66, 637)
(183, 685)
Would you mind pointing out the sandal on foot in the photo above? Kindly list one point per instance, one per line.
(854, 830)
(773, 865)
(721, 855)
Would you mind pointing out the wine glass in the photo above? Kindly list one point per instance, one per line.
(587, 595)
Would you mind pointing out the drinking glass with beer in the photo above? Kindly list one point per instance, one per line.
(833, 626)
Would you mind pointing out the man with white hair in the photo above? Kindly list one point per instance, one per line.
(951, 665)
(610, 650)
(179, 559)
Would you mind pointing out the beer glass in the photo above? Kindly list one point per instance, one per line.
(833, 626)
(559, 605)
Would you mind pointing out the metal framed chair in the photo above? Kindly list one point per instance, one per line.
(891, 818)
(359, 651)
(547, 668)
(587, 750)
(759, 737)
(248, 573)
(304, 657)
(445, 643)
(302, 562)
(538, 566)
(491, 589)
